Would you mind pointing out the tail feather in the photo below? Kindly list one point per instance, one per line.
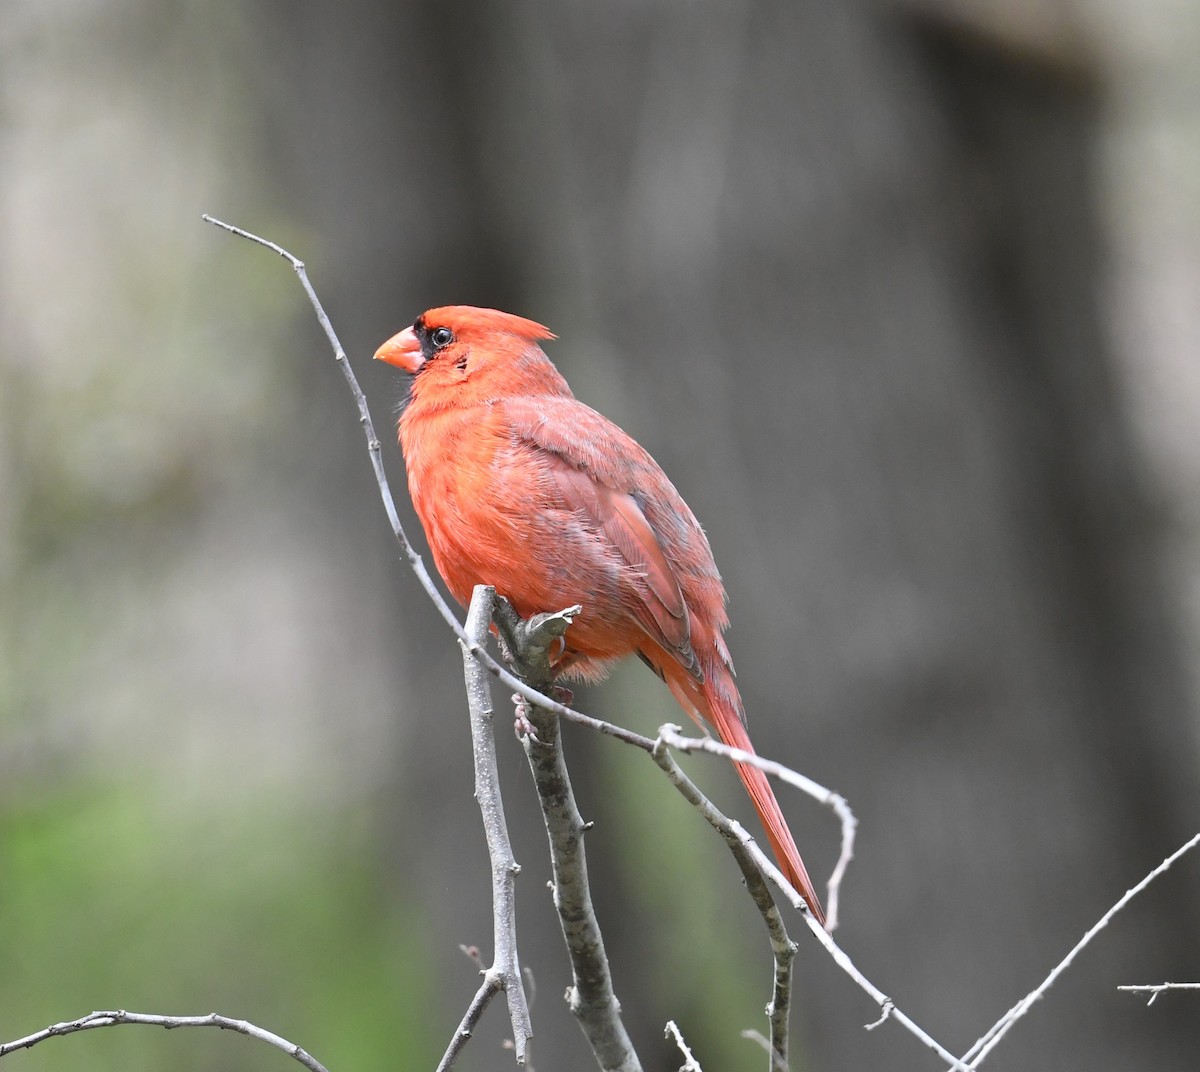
(721, 710)
(778, 834)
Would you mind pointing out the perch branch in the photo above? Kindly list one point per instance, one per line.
(591, 997)
(674, 738)
(117, 1017)
(505, 972)
(987, 1042)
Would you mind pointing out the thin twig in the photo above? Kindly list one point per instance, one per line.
(842, 959)
(488, 989)
(763, 866)
(882, 1018)
(760, 1039)
(505, 972)
(116, 1017)
(783, 949)
(1155, 989)
(987, 1042)
(690, 1064)
(673, 736)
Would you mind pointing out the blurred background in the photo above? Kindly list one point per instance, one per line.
(902, 295)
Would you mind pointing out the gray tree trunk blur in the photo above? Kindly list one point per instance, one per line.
(841, 272)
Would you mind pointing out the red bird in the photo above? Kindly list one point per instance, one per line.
(521, 486)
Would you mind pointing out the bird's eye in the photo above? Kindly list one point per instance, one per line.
(441, 337)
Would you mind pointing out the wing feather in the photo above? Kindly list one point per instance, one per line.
(588, 483)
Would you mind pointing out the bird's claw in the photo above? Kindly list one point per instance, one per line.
(522, 726)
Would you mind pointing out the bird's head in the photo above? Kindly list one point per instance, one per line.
(473, 352)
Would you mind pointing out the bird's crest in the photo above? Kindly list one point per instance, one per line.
(468, 320)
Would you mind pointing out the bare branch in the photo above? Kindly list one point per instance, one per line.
(117, 1017)
(1155, 989)
(986, 1043)
(841, 958)
(763, 866)
(673, 736)
(505, 972)
(758, 1037)
(690, 1064)
(782, 947)
(591, 997)
(492, 985)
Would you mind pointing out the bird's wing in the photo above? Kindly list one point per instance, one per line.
(594, 468)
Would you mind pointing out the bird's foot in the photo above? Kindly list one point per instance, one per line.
(523, 726)
(536, 648)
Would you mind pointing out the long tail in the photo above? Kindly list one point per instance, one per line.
(778, 834)
(716, 704)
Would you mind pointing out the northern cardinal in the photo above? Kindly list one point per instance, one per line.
(521, 486)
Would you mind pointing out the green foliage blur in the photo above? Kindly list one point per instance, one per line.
(173, 837)
(113, 895)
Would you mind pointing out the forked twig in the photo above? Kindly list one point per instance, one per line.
(673, 736)
(1156, 990)
(505, 972)
(783, 949)
(988, 1041)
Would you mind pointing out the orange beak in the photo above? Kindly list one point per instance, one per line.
(402, 350)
